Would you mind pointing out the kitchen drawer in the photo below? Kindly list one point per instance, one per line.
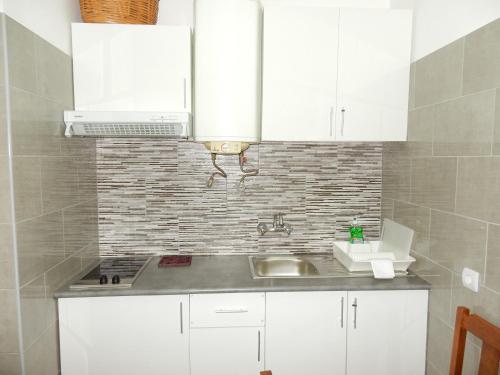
(227, 310)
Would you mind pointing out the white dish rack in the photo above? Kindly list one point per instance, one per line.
(395, 244)
(343, 253)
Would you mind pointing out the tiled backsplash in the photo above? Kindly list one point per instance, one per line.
(444, 183)
(153, 196)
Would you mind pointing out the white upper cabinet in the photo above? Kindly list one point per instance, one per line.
(374, 70)
(335, 74)
(299, 73)
(132, 67)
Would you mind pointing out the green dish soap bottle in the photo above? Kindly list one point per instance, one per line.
(356, 232)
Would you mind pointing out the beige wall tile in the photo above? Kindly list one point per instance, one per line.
(87, 178)
(457, 242)
(59, 183)
(7, 280)
(34, 310)
(3, 122)
(42, 358)
(80, 226)
(433, 182)
(440, 279)
(438, 76)
(54, 73)
(37, 124)
(396, 170)
(411, 99)
(40, 245)
(492, 277)
(482, 59)
(420, 131)
(8, 322)
(57, 276)
(5, 210)
(496, 135)
(21, 56)
(478, 192)
(439, 344)
(417, 218)
(10, 364)
(27, 187)
(465, 126)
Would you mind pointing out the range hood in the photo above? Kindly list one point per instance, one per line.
(127, 124)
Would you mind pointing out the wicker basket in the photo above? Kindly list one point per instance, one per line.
(120, 11)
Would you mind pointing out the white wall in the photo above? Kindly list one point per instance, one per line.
(50, 19)
(176, 12)
(440, 22)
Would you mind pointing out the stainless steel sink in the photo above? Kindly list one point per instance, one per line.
(281, 266)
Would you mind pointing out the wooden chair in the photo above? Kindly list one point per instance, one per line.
(266, 373)
(484, 330)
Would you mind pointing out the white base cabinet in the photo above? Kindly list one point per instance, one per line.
(306, 333)
(124, 335)
(290, 333)
(227, 351)
(387, 332)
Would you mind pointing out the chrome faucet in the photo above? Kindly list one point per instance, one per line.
(278, 226)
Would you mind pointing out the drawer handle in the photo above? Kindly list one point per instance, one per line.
(231, 311)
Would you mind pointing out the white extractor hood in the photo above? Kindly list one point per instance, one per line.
(131, 81)
(127, 124)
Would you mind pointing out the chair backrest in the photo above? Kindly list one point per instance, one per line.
(484, 330)
(266, 373)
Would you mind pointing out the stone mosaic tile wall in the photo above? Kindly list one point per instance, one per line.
(153, 197)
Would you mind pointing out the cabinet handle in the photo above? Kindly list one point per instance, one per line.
(182, 319)
(258, 346)
(185, 99)
(231, 311)
(342, 122)
(342, 313)
(355, 306)
(331, 121)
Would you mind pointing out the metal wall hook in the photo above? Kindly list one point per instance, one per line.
(219, 171)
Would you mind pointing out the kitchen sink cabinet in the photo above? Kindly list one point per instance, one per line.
(334, 74)
(291, 333)
(306, 333)
(353, 333)
(387, 332)
(124, 335)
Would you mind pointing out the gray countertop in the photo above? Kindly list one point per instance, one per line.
(231, 273)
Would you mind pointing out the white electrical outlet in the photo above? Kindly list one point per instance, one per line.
(470, 279)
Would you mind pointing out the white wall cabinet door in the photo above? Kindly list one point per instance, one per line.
(124, 335)
(299, 73)
(306, 333)
(374, 70)
(387, 332)
(132, 67)
(227, 350)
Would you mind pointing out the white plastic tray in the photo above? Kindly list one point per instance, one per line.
(342, 253)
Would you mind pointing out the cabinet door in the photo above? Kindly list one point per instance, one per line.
(374, 70)
(227, 351)
(387, 332)
(131, 67)
(299, 73)
(306, 333)
(124, 335)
